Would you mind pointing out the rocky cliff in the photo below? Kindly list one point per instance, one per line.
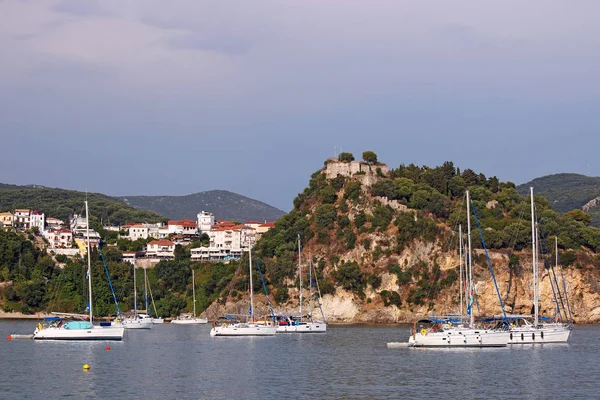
(385, 247)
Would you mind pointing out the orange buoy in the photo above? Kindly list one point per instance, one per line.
(9, 337)
(107, 347)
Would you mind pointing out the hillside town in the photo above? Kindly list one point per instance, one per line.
(224, 240)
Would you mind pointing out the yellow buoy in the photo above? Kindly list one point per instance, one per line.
(86, 367)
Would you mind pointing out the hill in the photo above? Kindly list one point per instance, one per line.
(222, 203)
(61, 203)
(385, 245)
(567, 192)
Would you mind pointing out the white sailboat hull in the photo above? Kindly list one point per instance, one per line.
(190, 321)
(158, 320)
(551, 333)
(303, 327)
(93, 333)
(243, 330)
(460, 338)
(139, 322)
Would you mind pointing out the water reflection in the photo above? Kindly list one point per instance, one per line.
(184, 362)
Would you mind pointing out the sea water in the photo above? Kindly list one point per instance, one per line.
(347, 362)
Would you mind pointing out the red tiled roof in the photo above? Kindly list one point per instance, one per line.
(162, 243)
(271, 224)
(137, 226)
(253, 222)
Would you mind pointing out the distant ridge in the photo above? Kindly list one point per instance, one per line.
(222, 203)
(567, 192)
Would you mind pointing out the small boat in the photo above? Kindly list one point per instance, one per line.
(137, 320)
(452, 332)
(65, 326)
(251, 327)
(302, 323)
(536, 329)
(190, 319)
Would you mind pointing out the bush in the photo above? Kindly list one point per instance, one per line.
(346, 157)
(374, 281)
(390, 298)
(350, 277)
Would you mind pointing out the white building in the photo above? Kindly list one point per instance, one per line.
(138, 231)
(161, 248)
(215, 254)
(226, 238)
(175, 227)
(59, 238)
(129, 256)
(21, 219)
(163, 232)
(78, 223)
(54, 223)
(37, 219)
(206, 221)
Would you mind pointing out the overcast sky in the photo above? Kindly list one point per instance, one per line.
(153, 97)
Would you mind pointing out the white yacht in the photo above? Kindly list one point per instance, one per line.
(446, 333)
(190, 319)
(82, 327)
(248, 328)
(300, 323)
(532, 329)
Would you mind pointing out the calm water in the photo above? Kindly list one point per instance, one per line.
(348, 362)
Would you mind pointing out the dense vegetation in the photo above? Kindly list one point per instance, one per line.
(333, 218)
(567, 192)
(39, 284)
(341, 214)
(61, 204)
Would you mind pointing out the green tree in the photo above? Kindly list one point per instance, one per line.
(346, 157)
(369, 157)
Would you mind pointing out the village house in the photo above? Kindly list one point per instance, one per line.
(37, 219)
(54, 223)
(21, 218)
(138, 231)
(6, 220)
(206, 221)
(129, 256)
(59, 238)
(160, 248)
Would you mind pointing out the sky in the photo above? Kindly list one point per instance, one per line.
(149, 97)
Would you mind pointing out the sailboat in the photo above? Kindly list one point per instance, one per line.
(155, 319)
(250, 327)
(445, 332)
(522, 329)
(81, 326)
(299, 323)
(190, 319)
(137, 320)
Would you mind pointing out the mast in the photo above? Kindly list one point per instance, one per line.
(535, 266)
(300, 273)
(251, 288)
(311, 287)
(461, 267)
(146, 292)
(194, 291)
(470, 261)
(134, 293)
(87, 233)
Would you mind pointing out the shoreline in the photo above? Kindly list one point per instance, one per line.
(18, 315)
